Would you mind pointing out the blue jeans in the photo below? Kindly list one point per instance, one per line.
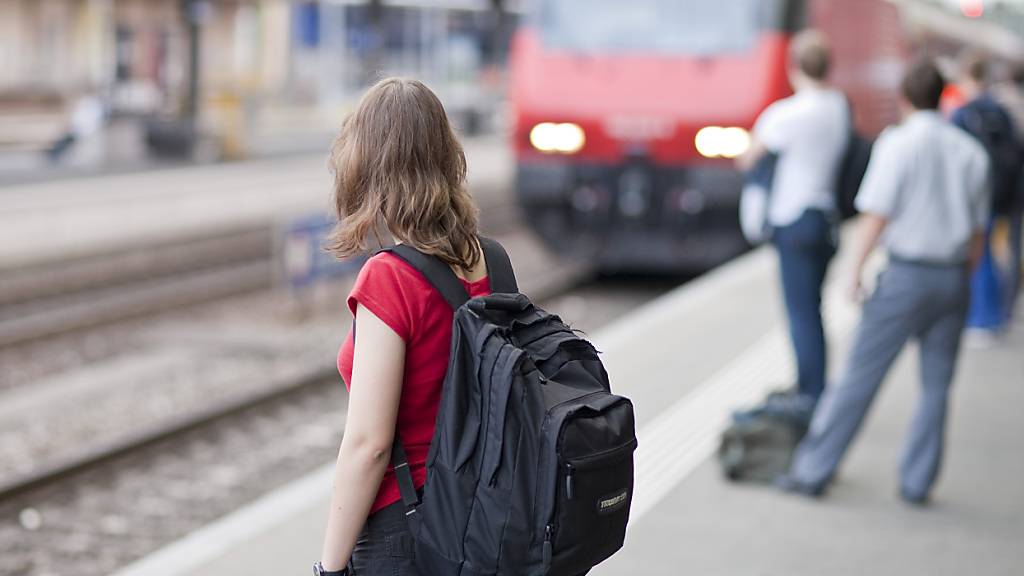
(386, 546)
(986, 310)
(805, 248)
(1016, 237)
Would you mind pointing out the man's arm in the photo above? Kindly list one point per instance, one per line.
(981, 209)
(870, 230)
(976, 251)
(769, 134)
(748, 159)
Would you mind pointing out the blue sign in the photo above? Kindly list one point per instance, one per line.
(304, 258)
(306, 22)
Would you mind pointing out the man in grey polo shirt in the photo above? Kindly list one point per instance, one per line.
(926, 195)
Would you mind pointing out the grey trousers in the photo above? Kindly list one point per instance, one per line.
(925, 302)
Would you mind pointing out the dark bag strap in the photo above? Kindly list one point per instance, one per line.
(439, 274)
(406, 486)
(499, 268)
(502, 280)
(499, 271)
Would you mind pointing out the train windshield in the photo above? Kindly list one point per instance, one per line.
(691, 27)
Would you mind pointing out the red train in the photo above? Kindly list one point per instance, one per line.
(627, 115)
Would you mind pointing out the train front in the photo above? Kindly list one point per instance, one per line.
(628, 116)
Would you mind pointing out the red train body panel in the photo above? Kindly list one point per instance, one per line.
(636, 193)
(654, 100)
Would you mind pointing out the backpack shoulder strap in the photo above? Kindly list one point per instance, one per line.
(436, 272)
(499, 267)
(444, 280)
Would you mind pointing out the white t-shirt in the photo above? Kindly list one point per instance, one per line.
(809, 131)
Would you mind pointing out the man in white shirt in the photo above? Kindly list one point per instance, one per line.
(926, 196)
(808, 132)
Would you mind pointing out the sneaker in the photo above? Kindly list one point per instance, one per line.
(980, 338)
(788, 483)
(916, 500)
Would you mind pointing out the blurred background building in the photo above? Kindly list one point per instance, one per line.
(223, 78)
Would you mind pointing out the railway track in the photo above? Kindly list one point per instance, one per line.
(50, 299)
(50, 308)
(135, 441)
(142, 438)
(289, 374)
(96, 519)
(56, 298)
(114, 361)
(83, 498)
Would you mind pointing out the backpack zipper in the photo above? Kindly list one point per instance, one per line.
(570, 469)
(568, 480)
(547, 548)
(549, 528)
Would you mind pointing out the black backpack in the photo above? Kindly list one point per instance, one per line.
(852, 167)
(992, 127)
(530, 470)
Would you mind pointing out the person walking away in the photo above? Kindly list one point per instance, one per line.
(1010, 93)
(808, 131)
(988, 122)
(926, 196)
(399, 173)
(86, 120)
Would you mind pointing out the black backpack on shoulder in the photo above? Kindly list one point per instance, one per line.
(992, 127)
(852, 167)
(530, 470)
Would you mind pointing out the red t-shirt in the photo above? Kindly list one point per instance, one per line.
(404, 300)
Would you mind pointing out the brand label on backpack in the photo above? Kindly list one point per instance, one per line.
(612, 503)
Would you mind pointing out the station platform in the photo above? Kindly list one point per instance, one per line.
(687, 360)
(55, 220)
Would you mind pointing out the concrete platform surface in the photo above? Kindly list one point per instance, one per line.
(687, 360)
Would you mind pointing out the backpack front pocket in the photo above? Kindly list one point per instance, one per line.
(595, 487)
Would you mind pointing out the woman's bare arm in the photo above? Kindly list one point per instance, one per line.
(377, 371)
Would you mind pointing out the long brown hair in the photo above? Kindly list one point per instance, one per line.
(397, 163)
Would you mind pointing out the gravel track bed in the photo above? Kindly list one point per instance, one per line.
(114, 515)
(100, 383)
(96, 386)
(171, 365)
(111, 516)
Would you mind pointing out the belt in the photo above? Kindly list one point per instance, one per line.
(897, 259)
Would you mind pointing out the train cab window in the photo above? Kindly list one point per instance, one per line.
(690, 27)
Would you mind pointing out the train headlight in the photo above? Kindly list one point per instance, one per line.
(564, 137)
(719, 142)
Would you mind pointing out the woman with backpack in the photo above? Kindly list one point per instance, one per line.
(399, 173)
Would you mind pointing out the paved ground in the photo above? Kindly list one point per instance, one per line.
(687, 360)
(704, 525)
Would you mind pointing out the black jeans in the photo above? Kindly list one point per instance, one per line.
(385, 547)
(805, 249)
